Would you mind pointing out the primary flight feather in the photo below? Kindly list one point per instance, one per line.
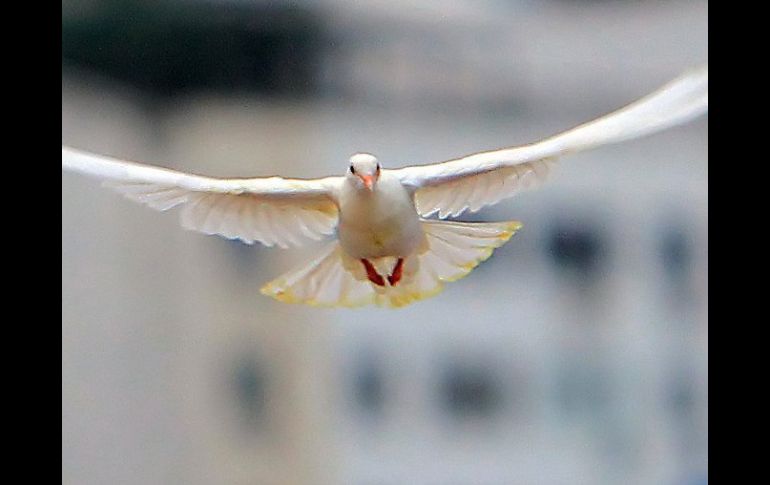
(386, 251)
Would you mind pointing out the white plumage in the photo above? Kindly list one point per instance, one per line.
(386, 252)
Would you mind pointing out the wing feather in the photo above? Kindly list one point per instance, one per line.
(482, 179)
(271, 210)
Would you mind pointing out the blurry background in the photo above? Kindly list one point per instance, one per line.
(576, 355)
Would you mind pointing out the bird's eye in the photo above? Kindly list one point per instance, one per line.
(352, 170)
(378, 167)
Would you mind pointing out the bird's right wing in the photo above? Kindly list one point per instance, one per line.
(271, 210)
(486, 178)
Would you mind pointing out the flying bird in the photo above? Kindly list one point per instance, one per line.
(387, 251)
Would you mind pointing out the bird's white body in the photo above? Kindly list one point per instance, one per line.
(387, 251)
(377, 223)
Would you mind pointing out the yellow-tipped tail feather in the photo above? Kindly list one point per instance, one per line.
(450, 250)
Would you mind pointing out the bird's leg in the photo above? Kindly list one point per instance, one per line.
(372, 273)
(397, 272)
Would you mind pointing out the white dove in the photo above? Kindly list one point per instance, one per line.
(386, 251)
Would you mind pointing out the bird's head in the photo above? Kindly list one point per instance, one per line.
(364, 171)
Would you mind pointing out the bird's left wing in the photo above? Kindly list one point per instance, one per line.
(271, 210)
(486, 178)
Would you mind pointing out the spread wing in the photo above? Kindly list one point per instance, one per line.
(271, 210)
(486, 178)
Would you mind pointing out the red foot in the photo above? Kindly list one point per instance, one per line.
(372, 273)
(397, 272)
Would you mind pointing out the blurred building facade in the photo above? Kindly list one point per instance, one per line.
(577, 354)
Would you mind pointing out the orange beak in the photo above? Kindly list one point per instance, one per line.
(368, 181)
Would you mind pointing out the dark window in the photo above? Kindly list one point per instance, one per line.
(468, 390)
(682, 397)
(368, 388)
(576, 247)
(676, 254)
(249, 387)
(367, 383)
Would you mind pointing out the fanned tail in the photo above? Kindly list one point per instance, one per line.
(327, 281)
(450, 250)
